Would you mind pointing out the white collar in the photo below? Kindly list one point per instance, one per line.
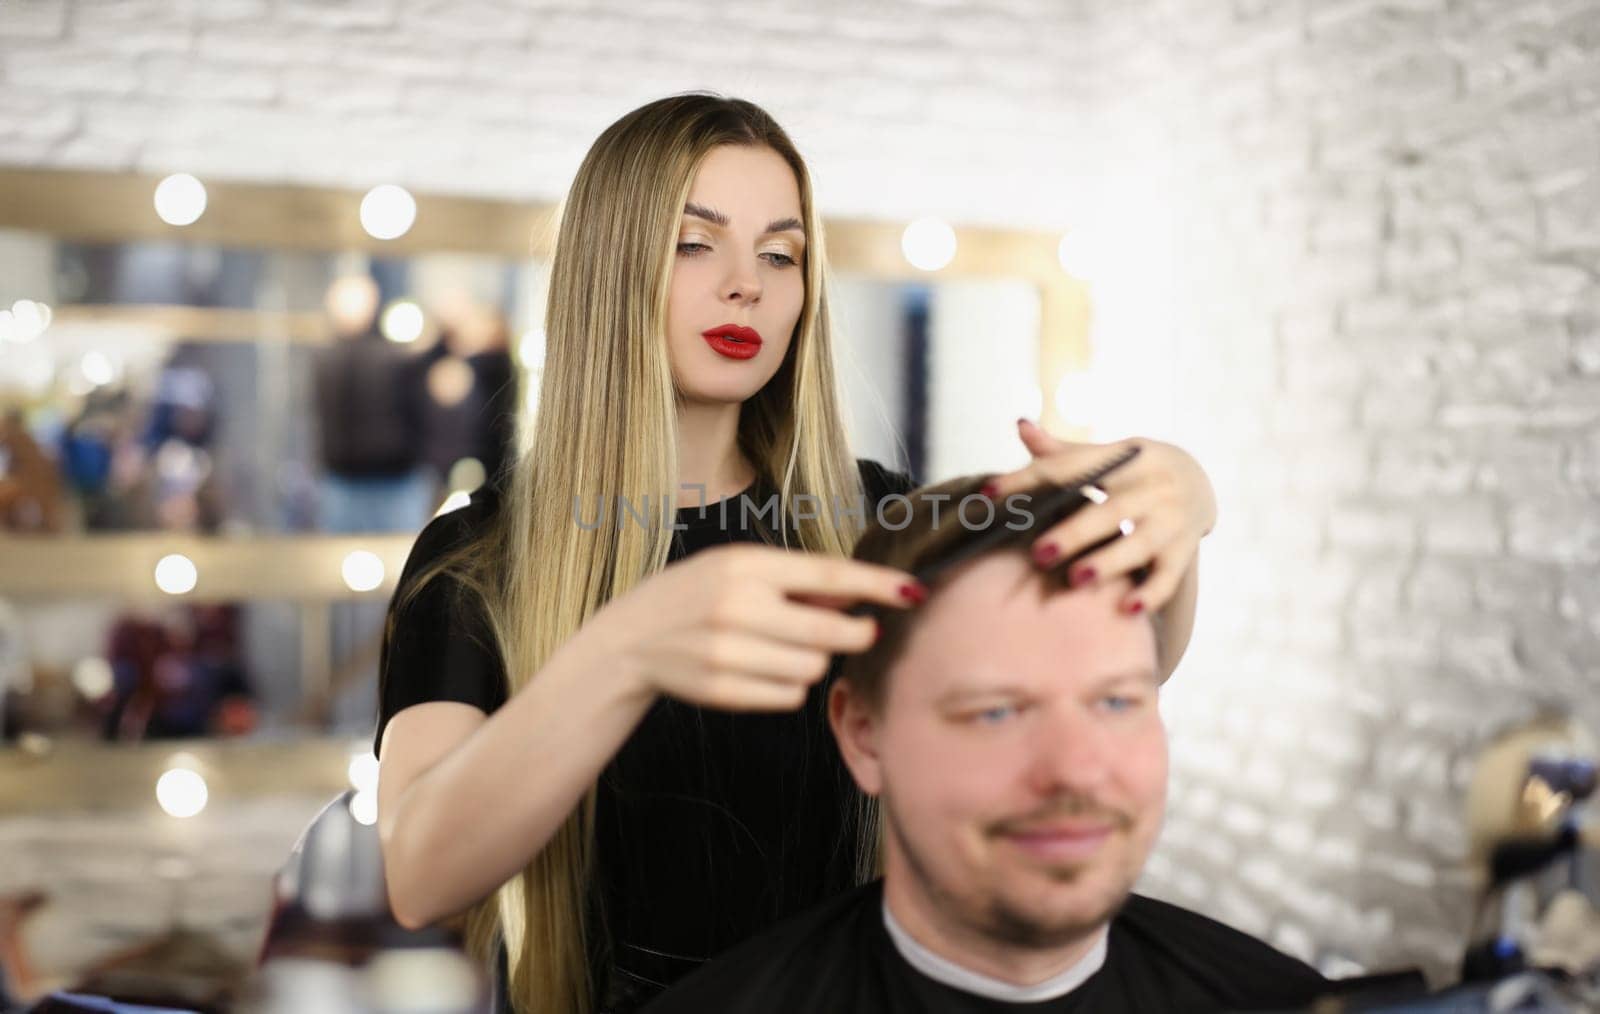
(951, 974)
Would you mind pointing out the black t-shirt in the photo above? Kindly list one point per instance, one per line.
(838, 958)
(710, 825)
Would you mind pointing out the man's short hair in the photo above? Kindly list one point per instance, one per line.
(912, 531)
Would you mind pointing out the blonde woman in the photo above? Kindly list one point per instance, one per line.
(601, 731)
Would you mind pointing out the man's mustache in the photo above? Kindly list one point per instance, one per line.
(1063, 808)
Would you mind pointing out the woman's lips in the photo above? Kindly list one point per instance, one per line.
(734, 341)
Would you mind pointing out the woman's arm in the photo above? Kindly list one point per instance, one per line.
(465, 800)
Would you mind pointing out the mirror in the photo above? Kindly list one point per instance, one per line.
(197, 535)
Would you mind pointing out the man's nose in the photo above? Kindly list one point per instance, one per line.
(1071, 751)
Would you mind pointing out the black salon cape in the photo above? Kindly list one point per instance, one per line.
(839, 959)
(710, 826)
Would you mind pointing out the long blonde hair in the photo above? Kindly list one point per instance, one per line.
(606, 425)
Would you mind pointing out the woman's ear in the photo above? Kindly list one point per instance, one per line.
(855, 727)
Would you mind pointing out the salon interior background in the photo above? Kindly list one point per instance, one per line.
(1346, 251)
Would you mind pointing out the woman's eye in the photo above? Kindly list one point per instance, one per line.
(690, 249)
(780, 260)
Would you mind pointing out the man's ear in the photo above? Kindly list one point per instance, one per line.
(855, 728)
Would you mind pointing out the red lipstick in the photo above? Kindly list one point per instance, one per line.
(734, 341)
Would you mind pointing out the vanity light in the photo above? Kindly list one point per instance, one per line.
(402, 322)
(180, 199)
(388, 211)
(181, 792)
(928, 243)
(362, 571)
(176, 574)
(25, 321)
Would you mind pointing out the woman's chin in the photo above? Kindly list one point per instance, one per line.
(720, 391)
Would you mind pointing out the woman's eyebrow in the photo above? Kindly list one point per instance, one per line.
(718, 218)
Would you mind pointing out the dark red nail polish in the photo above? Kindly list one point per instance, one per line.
(1046, 554)
(914, 593)
(990, 490)
(1082, 576)
(1134, 608)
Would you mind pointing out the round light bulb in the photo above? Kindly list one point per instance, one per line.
(362, 571)
(1076, 254)
(97, 369)
(363, 772)
(176, 574)
(928, 243)
(25, 321)
(92, 678)
(402, 322)
(180, 199)
(364, 807)
(388, 211)
(530, 349)
(181, 792)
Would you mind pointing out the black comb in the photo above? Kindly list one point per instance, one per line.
(1059, 503)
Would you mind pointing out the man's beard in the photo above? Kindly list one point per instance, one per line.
(994, 916)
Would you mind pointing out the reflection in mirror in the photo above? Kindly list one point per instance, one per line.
(252, 434)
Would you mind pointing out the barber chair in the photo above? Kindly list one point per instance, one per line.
(333, 946)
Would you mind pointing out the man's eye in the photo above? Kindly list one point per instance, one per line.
(1115, 702)
(691, 249)
(997, 714)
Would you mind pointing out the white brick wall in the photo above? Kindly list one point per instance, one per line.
(1389, 211)
(1349, 253)
(502, 97)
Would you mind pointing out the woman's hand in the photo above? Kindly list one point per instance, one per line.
(1163, 492)
(744, 628)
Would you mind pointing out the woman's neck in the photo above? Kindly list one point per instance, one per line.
(708, 452)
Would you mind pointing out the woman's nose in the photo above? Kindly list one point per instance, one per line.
(743, 285)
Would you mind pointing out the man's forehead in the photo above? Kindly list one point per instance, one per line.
(996, 620)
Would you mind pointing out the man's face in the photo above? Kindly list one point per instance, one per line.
(1019, 754)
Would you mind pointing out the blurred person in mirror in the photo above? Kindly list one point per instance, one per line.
(472, 394)
(178, 674)
(1010, 734)
(370, 412)
(30, 484)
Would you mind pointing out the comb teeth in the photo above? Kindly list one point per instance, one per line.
(1093, 476)
(1067, 498)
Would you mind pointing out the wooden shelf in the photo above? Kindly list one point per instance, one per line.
(79, 775)
(300, 568)
(198, 323)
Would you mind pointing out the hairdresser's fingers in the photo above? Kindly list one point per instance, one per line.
(820, 627)
(1063, 465)
(845, 581)
(743, 693)
(743, 654)
(1091, 524)
(1155, 543)
(1038, 440)
(1166, 573)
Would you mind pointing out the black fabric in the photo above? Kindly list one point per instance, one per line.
(710, 826)
(370, 408)
(838, 958)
